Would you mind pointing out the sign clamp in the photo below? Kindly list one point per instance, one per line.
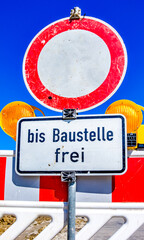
(69, 114)
(68, 177)
(75, 13)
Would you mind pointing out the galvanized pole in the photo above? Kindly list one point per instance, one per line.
(71, 209)
(70, 114)
(71, 179)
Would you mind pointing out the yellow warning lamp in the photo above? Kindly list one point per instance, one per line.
(140, 137)
(133, 115)
(130, 110)
(12, 112)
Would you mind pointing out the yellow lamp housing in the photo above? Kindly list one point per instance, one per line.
(140, 137)
(133, 115)
(12, 112)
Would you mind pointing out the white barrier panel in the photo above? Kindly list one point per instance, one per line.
(97, 213)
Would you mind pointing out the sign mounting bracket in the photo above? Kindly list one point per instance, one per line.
(68, 177)
(69, 114)
(75, 13)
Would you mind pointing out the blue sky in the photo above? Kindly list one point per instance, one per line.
(22, 20)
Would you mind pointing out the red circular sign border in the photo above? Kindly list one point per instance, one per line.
(93, 99)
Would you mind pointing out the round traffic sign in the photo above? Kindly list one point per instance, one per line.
(75, 64)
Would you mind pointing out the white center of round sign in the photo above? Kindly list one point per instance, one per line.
(74, 63)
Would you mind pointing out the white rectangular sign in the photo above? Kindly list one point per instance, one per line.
(94, 145)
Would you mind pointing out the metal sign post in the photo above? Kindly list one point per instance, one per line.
(71, 179)
(69, 114)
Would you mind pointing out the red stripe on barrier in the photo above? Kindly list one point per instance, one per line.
(129, 187)
(2, 176)
(52, 189)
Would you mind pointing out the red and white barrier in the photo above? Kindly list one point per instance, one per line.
(124, 188)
